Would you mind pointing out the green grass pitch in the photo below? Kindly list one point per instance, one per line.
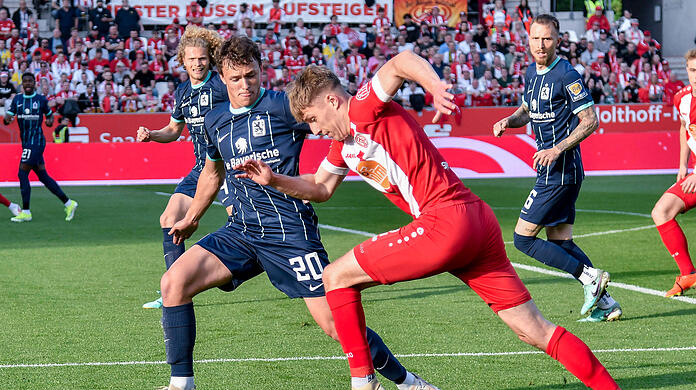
(71, 295)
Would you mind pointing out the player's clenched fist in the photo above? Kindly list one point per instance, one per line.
(500, 127)
(143, 134)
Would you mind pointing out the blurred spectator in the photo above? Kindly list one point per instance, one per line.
(524, 14)
(672, 86)
(61, 133)
(225, 31)
(275, 15)
(413, 97)
(591, 55)
(633, 34)
(108, 99)
(134, 42)
(243, 12)
(5, 55)
(100, 17)
(7, 89)
(119, 58)
(599, 18)
(412, 29)
(16, 78)
(99, 63)
(113, 41)
(129, 100)
(6, 25)
(498, 15)
(178, 28)
(434, 21)
(66, 20)
(150, 102)
(167, 98)
(194, 14)
(592, 33)
(624, 22)
(127, 19)
(60, 66)
(655, 89)
(630, 94)
(382, 20)
(604, 42)
(144, 77)
(630, 57)
(21, 18)
(89, 100)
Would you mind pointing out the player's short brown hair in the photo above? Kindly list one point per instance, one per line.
(547, 20)
(309, 83)
(690, 55)
(237, 51)
(195, 36)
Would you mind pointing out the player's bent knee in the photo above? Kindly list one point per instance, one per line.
(172, 290)
(524, 244)
(663, 212)
(167, 219)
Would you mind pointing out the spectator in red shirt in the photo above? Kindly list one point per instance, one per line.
(119, 58)
(178, 29)
(275, 15)
(598, 17)
(225, 31)
(194, 14)
(671, 88)
(167, 100)
(6, 25)
(382, 20)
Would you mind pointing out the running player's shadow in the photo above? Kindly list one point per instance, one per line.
(673, 313)
(413, 293)
(656, 381)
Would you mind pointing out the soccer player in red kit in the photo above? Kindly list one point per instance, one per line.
(452, 231)
(681, 196)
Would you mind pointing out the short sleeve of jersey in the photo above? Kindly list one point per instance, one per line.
(177, 112)
(44, 107)
(211, 149)
(369, 101)
(334, 163)
(13, 106)
(576, 92)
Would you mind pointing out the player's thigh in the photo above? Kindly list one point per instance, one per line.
(529, 324)
(441, 240)
(32, 156)
(549, 205)
(563, 231)
(525, 228)
(346, 272)
(195, 271)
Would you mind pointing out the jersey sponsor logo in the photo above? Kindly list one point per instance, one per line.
(374, 171)
(205, 100)
(364, 92)
(545, 92)
(576, 90)
(266, 155)
(542, 116)
(241, 145)
(361, 140)
(198, 120)
(258, 127)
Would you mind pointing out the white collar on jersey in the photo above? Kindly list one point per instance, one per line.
(242, 110)
(210, 73)
(548, 68)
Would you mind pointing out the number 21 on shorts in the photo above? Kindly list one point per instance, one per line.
(26, 153)
(308, 267)
(530, 199)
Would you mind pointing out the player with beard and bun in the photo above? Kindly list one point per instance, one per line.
(681, 196)
(268, 230)
(193, 100)
(559, 107)
(452, 229)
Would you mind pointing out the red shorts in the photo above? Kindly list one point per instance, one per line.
(463, 239)
(688, 199)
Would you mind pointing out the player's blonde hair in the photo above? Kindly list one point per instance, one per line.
(690, 55)
(309, 83)
(195, 36)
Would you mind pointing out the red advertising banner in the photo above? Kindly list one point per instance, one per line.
(419, 9)
(469, 157)
(477, 121)
(354, 11)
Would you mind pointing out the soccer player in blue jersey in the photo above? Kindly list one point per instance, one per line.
(193, 100)
(268, 230)
(559, 107)
(30, 109)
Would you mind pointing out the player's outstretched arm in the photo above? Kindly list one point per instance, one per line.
(684, 152)
(209, 183)
(518, 119)
(318, 187)
(169, 133)
(588, 124)
(409, 66)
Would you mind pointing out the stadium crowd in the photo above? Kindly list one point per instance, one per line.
(96, 61)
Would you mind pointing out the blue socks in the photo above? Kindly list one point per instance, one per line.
(548, 253)
(51, 184)
(384, 361)
(171, 250)
(179, 324)
(25, 188)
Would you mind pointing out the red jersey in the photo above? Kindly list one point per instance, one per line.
(671, 89)
(381, 22)
(685, 103)
(6, 27)
(168, 102)
(274, 16)
(392, 153)
(97, 66)
(295, 64)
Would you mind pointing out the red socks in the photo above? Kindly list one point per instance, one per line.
(577, 358)
(349, 319)
(4, 201)
(674, 239)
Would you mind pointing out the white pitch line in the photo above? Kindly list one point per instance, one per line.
(301, 358)
(546, 271)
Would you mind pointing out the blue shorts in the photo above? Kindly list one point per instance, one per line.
(32, 155)
(295, 267)
(551, 205)
(187, 186)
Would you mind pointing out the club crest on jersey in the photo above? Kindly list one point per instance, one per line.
(576, 90)
(241, 145)
(363, 92)
(361, 140)
(194, 111)
(545, 92)
(205, 100)
(258, 127)
(35, 105)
